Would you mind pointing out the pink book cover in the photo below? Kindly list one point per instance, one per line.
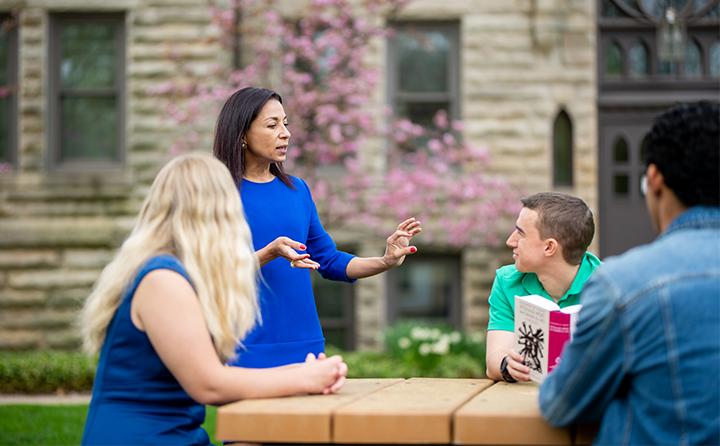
(558, 336)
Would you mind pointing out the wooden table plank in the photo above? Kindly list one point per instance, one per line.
(290, 420)
(506, 414)
(418, 410)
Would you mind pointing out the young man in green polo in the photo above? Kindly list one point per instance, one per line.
(549, 247)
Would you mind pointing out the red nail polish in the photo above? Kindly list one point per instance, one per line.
(413, 249)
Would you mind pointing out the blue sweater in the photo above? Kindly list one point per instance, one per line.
(290, 326)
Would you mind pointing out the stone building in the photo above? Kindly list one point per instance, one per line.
(561, 92)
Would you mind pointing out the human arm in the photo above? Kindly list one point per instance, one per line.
(592, 366)
(397, 246)
(501, 335)
(183, 343)
(500, 344)
(287, 248)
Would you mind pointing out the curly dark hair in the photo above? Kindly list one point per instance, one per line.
(684, 144)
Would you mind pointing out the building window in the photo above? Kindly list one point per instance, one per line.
(620, 151)
(637, 44)
(693, 60)
(638, 60)
(715, 60)
(335, 302)
(426, 288)
(614, 60)
(8, 89)
(620, 166)
(423, 64)
(87, 83)
(562, 150)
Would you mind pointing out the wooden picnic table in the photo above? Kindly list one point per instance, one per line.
(399, 411)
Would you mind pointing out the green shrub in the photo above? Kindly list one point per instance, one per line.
(431, 348)
(46, 372)
(62, 372)
(382, 365)
(464, 357)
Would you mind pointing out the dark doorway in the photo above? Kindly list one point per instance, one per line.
(624, 223)
(635, 84)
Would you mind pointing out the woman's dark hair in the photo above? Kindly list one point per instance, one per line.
(239, 111)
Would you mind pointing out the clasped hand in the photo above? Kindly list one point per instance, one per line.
(325, 375)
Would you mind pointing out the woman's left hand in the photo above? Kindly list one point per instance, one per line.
(398, 244)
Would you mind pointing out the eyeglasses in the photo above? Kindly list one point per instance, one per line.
(643, 185)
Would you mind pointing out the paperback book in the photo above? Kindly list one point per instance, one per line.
(542, 329)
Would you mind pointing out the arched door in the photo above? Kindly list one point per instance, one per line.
(635, 85)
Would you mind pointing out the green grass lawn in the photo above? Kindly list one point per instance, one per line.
(22, 424)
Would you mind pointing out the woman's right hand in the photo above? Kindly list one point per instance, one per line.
(287, 248)
(324, 375)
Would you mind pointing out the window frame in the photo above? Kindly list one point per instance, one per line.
(12, 75)
(455, 299)
(347, 322)
(562, 112)
(452, 30)
(625, 30)
(57, 21)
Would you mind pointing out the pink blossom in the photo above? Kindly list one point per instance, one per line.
(435, 146)
(458, 126)
(326, 84)
(441, 119)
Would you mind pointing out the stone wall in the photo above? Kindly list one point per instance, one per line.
(59, 228)
(521, 62)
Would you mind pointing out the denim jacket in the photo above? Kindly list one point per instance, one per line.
(645, 358)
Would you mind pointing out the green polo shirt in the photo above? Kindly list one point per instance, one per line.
(509, 282)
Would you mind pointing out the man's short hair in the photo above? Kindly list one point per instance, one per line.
(565, 218)
(684, 144)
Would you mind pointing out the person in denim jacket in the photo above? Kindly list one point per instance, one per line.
(645, 358)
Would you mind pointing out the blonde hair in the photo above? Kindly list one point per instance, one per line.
(193, 211)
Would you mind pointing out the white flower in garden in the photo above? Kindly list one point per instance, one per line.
(477, 337)
(455, 337)
(425, 349)
(403, 343)
(415, 333)
(435, 333)
(442, 346)
(419, 333)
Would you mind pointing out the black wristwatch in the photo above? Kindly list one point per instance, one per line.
(506, 376)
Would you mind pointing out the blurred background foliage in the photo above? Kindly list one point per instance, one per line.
(412, 349)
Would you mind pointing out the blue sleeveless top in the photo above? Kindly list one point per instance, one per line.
(135, 398)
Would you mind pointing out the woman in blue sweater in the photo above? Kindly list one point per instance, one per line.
(252, 140)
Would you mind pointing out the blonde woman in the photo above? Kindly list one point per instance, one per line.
(169, 310)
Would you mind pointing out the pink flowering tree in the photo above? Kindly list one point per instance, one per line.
(432, 173)
(443, 182)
